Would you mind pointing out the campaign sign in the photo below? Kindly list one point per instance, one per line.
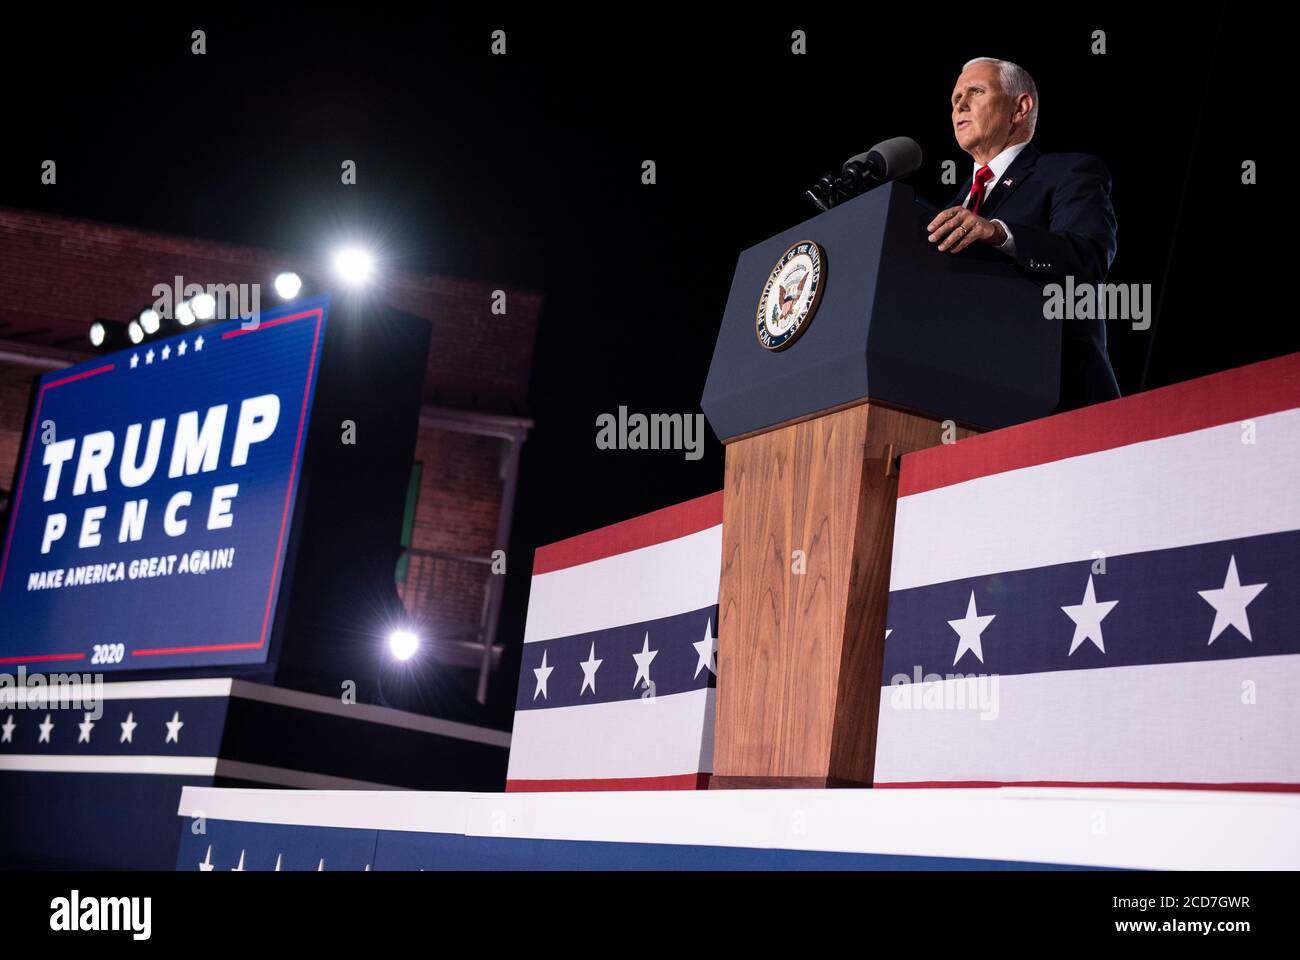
(154, 499)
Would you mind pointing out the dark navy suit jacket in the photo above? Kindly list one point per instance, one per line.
(1059, 212)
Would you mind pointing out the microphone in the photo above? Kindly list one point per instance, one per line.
(888, 160)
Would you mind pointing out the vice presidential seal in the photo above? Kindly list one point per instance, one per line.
(790, 297)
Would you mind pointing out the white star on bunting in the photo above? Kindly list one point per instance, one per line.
(969, 629)
(1230, 602)
(8, 729)
(707, 650)
(1087, 617)
(542, 673)
(643, 660)
(128, 728)
(180, 349)
(46, 729)
(206, 864)
(174, 728)
(589, 668)
(198, 342)
(85, 727)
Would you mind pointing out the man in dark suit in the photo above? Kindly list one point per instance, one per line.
(1049, 212)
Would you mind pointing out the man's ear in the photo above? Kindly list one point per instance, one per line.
(1024, 104)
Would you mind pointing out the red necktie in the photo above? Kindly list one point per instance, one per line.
(982, 176)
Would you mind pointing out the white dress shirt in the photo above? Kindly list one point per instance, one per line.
(999, 166)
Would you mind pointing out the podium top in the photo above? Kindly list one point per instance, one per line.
(881, 315)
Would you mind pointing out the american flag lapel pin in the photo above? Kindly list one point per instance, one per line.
(1006, 182)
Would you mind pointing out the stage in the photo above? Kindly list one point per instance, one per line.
(884, 829)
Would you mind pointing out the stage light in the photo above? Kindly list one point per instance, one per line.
(135, 331)
(288, 285)
(106, 335)
(354, 266)
(204, 306)
(150, 322)
(402, 644)
(184, 315)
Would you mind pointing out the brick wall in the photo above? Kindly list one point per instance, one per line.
(15, 386)
(477, 360)
(59, 274)
(460, 497)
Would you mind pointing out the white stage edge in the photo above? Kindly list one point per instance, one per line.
(1125, 828)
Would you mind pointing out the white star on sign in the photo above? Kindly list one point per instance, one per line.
(706, 649)
(166, 351)
(8, 729)
(239, 868)
(1230, 602)
(1087, 617)
(148, 357)
(278, 857)
(135, 360)
(589, 668)
(969, 629)
(128, 728)
(198, 342)
(174, 728)
(542, 673)
(46, 728)
(85, 727)
(180, 349)
(643, 660)
(206, 864)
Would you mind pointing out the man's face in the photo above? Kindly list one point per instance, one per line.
(981, 112)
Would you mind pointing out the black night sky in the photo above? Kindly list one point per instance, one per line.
(526, 170)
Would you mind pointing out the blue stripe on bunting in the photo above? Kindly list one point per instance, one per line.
(1159, 618)
(673, 669)
(201, 722)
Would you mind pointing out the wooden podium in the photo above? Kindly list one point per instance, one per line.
(906, 347)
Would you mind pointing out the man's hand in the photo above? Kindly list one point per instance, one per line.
(957, 228)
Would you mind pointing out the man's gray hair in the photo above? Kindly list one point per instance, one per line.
(1015, 81)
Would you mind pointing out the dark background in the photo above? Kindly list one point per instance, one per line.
(526, 170)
